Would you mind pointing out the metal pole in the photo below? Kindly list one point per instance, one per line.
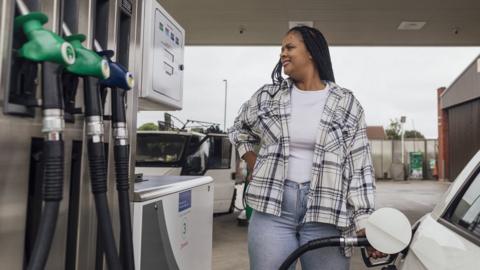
(403, 144)
(414, 136)
(225, 110)
(402, 122)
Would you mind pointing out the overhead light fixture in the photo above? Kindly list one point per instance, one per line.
(292, 24)
(411, 25)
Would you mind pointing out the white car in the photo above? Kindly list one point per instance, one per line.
(190, 153)
(449, 236)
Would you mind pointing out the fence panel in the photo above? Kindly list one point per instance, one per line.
(377, 157)
(387, 158)
(387, 152)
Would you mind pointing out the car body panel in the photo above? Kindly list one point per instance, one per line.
(455, 187)
(435, 246)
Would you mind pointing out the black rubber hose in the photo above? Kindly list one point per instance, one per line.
(93, 102)
(44, 237)
(52, 195)
(121, 153)
(314, 244)
(98, 175)
(52, 95)
(118, 105)
(53, 170)
(106, 233)
(362, 242)
(53, 163)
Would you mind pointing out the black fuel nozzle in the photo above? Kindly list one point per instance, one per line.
(92, 68)
(120, 81)
(49, 49)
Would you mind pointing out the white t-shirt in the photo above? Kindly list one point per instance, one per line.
(307, 108)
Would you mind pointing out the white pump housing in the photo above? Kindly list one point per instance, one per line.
(162, 45)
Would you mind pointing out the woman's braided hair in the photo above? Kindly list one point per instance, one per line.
(317, 47)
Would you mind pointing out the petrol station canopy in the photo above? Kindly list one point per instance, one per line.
(344, 22)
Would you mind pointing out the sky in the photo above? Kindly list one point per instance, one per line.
(388, 81)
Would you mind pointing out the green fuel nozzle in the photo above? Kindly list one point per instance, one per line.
(88, 62)
(43, 45)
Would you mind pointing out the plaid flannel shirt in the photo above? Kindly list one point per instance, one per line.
(342, 186)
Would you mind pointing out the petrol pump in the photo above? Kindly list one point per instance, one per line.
(172, 215)
(52, 129)
(69, 111)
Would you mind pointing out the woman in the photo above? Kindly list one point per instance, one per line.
(313, 175)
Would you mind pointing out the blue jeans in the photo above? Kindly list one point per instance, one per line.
(271, 239)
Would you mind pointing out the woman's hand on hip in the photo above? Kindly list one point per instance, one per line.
(250, 158)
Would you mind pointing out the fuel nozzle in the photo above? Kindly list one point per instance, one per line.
(93, 68)
(53, 51)
(88, 62)
(119, 76)
(43, 45)
(120, 82)
(387, 230)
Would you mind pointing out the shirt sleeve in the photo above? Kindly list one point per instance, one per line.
(242, 134)
(361, 187)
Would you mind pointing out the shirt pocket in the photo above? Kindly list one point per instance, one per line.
(269, 125)
(334, 141)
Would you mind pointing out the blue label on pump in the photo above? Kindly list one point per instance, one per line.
(184, 200)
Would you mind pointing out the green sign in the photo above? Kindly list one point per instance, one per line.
(416, 165)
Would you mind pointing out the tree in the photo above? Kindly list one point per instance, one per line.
(148, 126)
(394, 129)
(414, 134)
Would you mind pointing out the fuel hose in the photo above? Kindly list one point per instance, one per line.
(90, 66)
(49, 49)
(121, 154)
(320, 243)
(120, 81)
(98, 169)
(53, 164)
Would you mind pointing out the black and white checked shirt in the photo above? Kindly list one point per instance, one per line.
(342, 187)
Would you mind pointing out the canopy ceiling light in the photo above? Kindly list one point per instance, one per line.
(411, 25)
